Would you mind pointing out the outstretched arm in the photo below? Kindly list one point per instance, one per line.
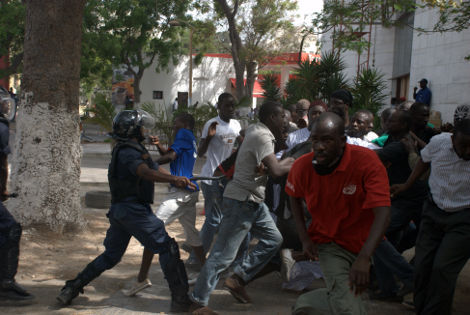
(149, 174)
(278, 168)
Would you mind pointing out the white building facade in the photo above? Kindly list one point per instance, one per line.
(213, 76)
(405, 56)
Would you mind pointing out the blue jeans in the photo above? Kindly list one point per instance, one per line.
(212, 207)
(387, 263)
(239, 218)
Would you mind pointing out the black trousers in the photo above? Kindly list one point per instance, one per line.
(442, 249)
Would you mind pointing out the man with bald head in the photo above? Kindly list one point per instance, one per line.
(349, 203)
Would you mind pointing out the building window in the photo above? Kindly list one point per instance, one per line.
(157, 95)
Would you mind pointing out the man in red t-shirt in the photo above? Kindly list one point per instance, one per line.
(347, 194)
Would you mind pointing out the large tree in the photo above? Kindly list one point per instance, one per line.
(46, 163)
(255, 30)
(131, 33)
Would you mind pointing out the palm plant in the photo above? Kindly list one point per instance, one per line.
(368, 90)
(163, 120)
(102, 113)
(270, 85)
(317, 79)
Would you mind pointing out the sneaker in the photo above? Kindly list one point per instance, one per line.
(234, 285)
(287, 262)
(198, 309)
(137, 287)
(192, 278)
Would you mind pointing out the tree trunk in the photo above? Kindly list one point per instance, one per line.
(46, 161)
(236, 47)
(250, 80)
(137, 92)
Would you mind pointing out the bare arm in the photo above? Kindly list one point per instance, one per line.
(309, 248)
(149, 174)
(202, 149)
(359, 272)
(169, 156)
(277, 168)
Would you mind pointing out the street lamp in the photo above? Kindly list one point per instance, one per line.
(191, 31)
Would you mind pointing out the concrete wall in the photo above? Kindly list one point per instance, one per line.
(440, 59)
(437, 57)
(381, 55)
(210, 79)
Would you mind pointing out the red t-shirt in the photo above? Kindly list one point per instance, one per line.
(341, 202)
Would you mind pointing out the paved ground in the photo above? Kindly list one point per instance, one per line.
(51, 263)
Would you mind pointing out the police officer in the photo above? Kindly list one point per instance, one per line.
(131, 177)
(10, 230)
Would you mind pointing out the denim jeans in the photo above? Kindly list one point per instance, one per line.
(389, 263)
(212, 207)
(239, 218)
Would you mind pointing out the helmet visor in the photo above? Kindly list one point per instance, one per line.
(145, 119)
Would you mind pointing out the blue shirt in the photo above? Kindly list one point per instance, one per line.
(186, 153)
(424, 96)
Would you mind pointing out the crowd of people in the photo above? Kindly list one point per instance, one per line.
(313, 188)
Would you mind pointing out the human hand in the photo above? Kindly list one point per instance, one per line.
(359, 275)
(183, 182)
(154, 140)
(415, 88)
(410, 143)
(261, 169)
(212, 129)
(397, 189)
(310, 249)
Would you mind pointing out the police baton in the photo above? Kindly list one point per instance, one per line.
(195, 178)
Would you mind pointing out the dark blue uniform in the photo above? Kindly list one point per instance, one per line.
(10, 230)
(130, 215)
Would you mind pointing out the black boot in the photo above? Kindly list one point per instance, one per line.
(70, 291)
(175, 274)
(9, 288)
(73, 287)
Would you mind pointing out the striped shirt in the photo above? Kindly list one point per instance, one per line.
(449, 181)
(297, 137)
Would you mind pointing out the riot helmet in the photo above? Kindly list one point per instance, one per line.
(128, 124)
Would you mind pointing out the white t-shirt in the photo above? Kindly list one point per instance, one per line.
(221, 145)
